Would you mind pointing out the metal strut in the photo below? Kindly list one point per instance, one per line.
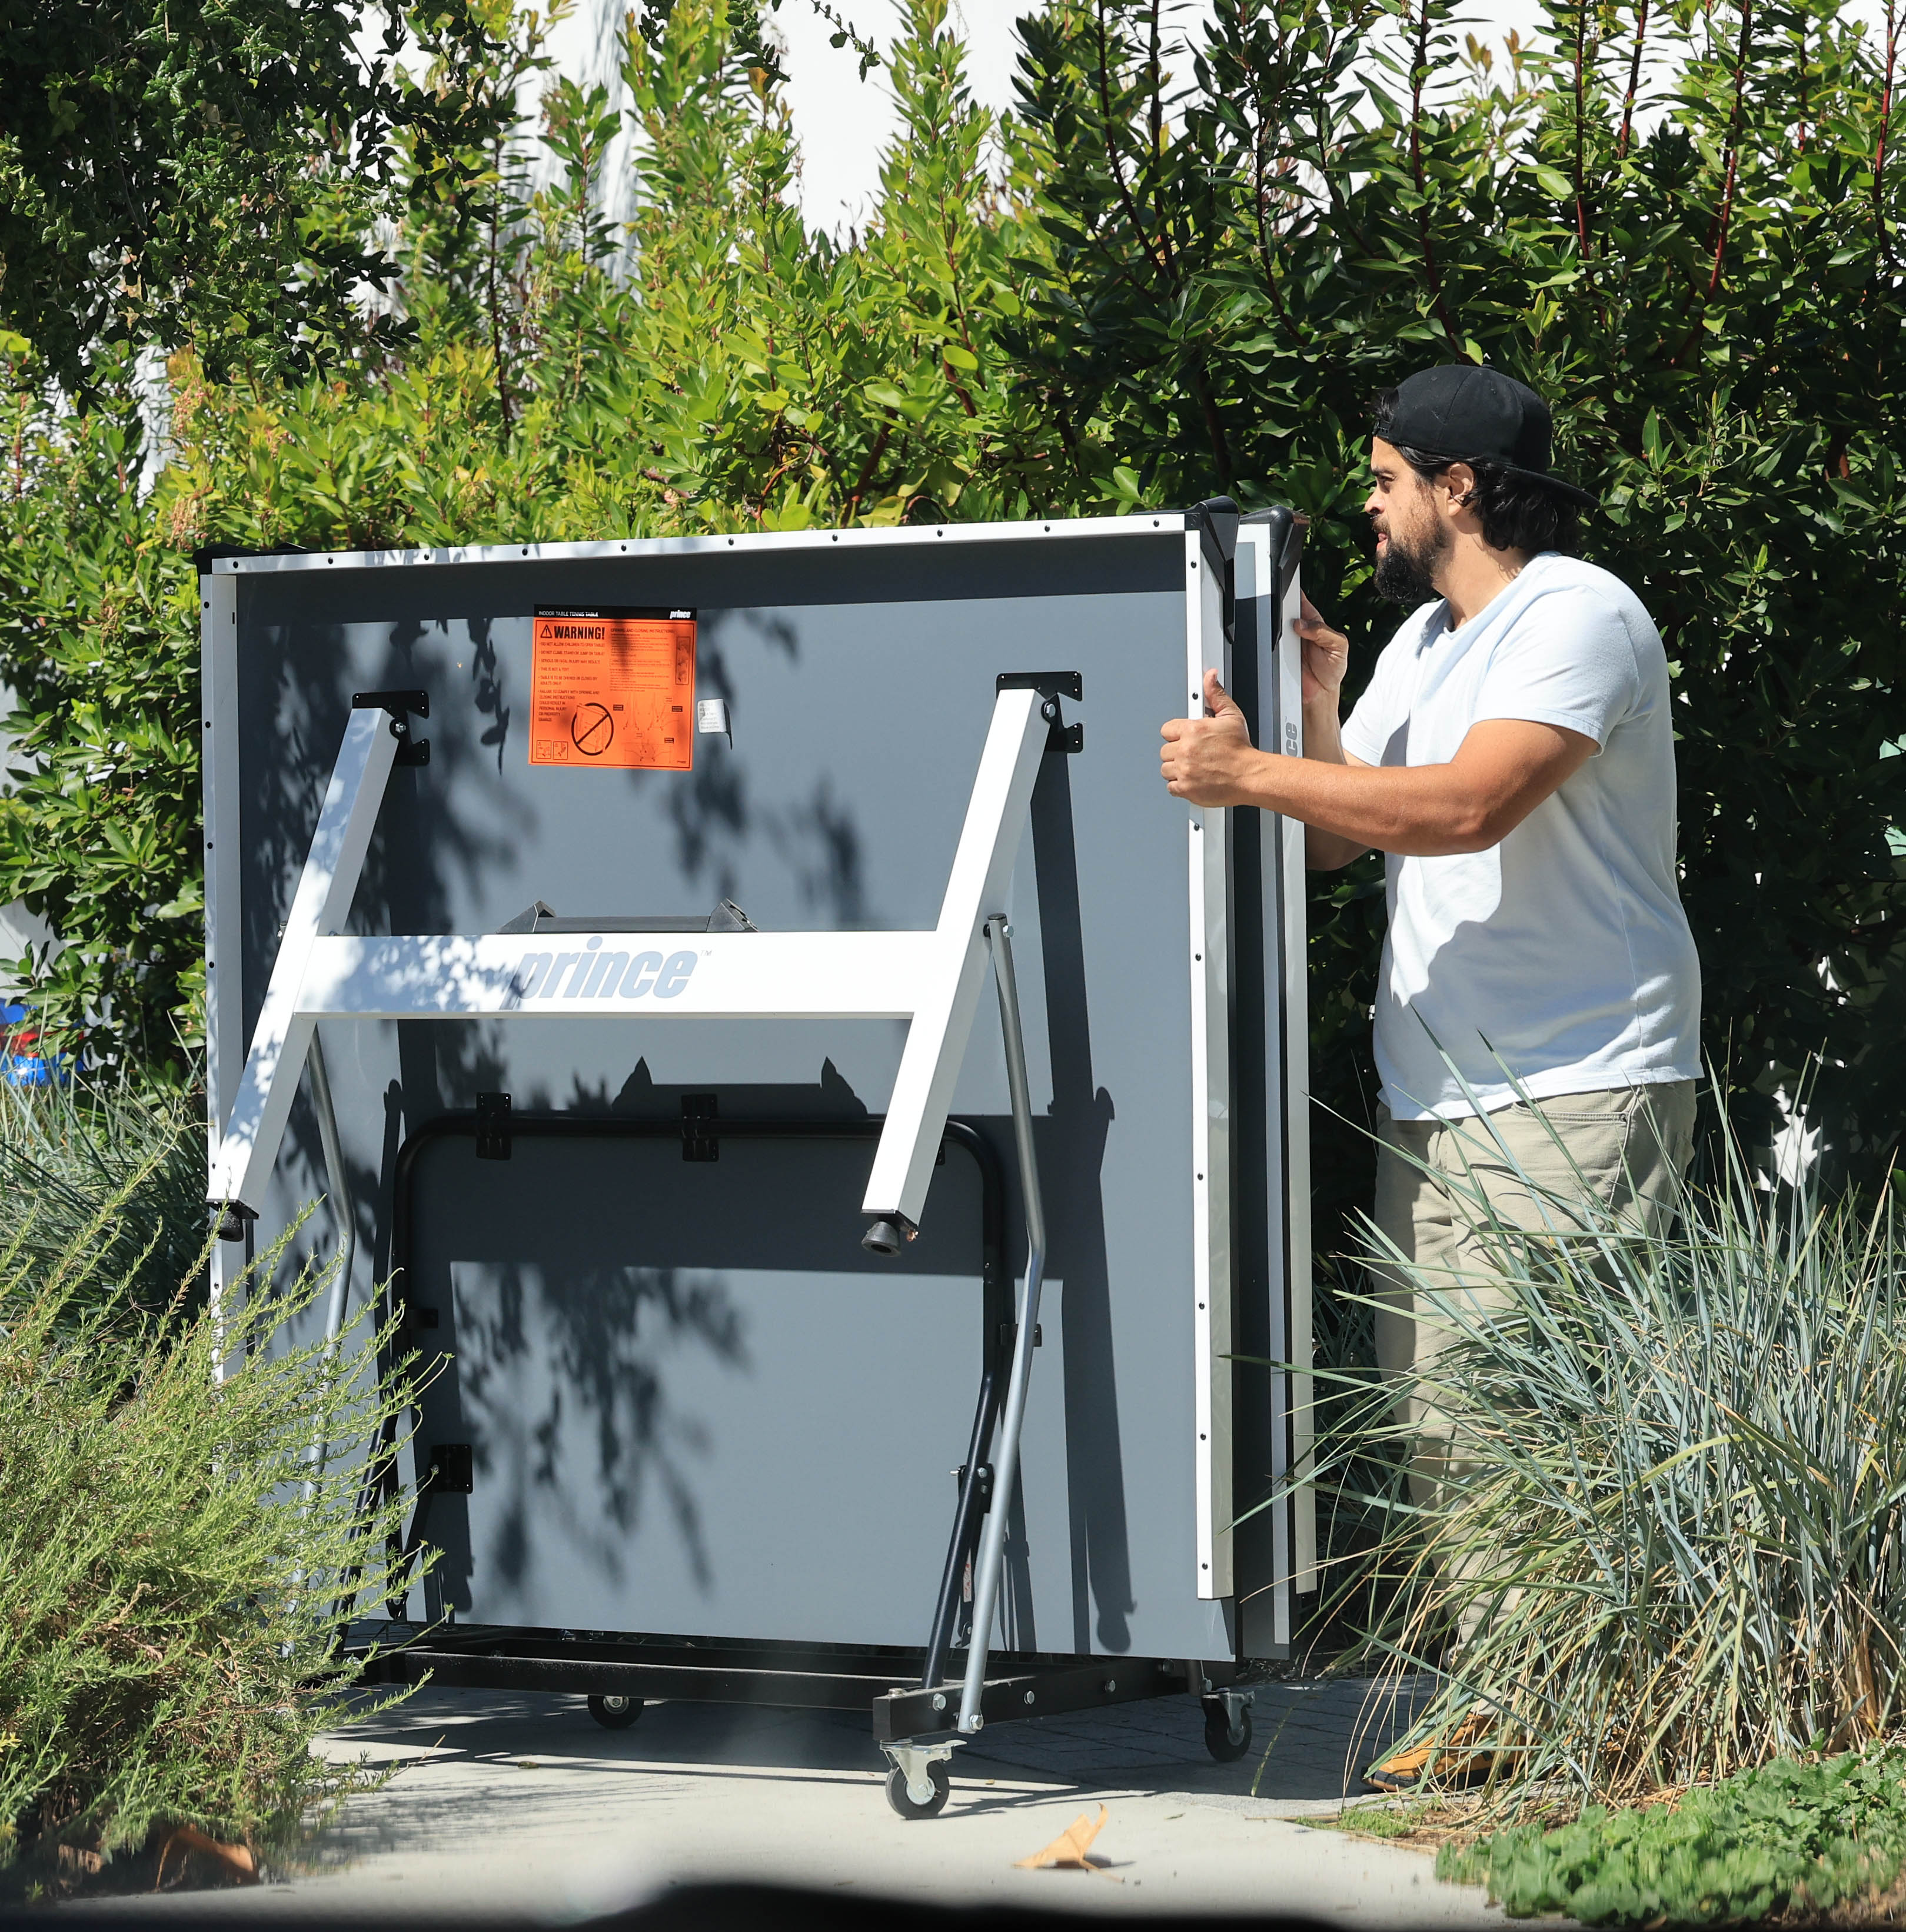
(337, 1190)
(1006, 1454)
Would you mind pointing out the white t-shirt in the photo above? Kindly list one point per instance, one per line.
(1562, 954)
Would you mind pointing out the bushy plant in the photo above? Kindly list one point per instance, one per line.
(1794, 1836)
(1668, 1538)
(1681, 223)
(174, 1565)
(69, 1153)
(744, 373)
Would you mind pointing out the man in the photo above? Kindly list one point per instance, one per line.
(1513, 756)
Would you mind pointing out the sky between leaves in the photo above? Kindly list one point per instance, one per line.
(844, 122)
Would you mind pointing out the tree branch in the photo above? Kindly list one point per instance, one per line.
(1581, 56)
(1125, 200)
(1634, 79)
(1733, 143)
(1418, 68)
(1886, 125)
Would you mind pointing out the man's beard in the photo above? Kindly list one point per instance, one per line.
(1403, 574)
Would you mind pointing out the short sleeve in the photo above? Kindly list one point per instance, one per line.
(1570, 662)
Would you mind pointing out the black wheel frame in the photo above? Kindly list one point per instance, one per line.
(615, 1712)
(1217, 1734)
(897, 1795)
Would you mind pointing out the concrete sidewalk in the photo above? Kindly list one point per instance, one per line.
(509, 1805)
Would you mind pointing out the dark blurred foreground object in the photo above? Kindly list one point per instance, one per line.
(701, 1908)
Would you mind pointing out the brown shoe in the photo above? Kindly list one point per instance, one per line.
(1452, 1761)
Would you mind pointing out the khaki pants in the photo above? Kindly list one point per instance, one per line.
(1630, 1146)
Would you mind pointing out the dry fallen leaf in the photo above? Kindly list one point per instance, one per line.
(1066, 1852)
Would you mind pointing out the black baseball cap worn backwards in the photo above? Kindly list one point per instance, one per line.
(1459, 412)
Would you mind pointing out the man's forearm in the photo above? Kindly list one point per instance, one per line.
(1326, 851)
(1422, 810)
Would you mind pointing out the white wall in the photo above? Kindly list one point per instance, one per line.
(17, 925)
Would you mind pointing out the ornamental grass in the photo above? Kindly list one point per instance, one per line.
(1670, 1547)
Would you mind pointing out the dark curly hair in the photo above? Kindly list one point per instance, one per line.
(1517, 512)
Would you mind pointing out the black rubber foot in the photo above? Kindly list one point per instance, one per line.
(1218, 1740)
(883, 1238)
(898, 1797)
(615, 1713)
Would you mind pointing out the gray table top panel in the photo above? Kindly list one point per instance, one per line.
(695, 1405)
(859, 713)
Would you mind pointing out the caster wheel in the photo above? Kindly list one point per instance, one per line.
(897, 1795)
(615, 1713)
(1217, 1734)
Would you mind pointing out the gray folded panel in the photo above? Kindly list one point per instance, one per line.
(688, 1400)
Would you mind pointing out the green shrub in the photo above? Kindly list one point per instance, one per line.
(749, 375)
(1788, 1837)
(1186, 277)
(1674, 1529)
(66, 1153)
(171, 1555)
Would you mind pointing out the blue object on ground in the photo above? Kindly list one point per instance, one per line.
(21, 1065)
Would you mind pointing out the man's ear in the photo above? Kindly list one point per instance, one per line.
(1459, 480)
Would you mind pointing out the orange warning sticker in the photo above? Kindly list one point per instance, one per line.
(612, 687)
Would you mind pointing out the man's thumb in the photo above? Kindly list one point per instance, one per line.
(1217, 700)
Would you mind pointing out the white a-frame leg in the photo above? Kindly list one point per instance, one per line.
(930, 979)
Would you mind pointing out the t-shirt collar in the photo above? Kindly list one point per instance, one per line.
(1435, 621)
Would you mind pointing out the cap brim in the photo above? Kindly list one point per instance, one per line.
(1560, 485)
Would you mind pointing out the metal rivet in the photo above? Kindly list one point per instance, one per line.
(1028, 1697)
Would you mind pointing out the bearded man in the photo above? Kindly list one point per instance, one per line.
(1513, 757)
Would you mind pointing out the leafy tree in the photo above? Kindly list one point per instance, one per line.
(745, 374)
(1336, 194)
(171, 169)
(1173, 285)
(98, 641)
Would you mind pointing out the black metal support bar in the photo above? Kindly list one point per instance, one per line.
(975, 1493)
(825, 1677)
(995, 1311)
(917, 1716)
(788, 1676)
(721, 1683)
(841, 1677)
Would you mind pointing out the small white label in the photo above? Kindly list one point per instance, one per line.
(711, 717)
